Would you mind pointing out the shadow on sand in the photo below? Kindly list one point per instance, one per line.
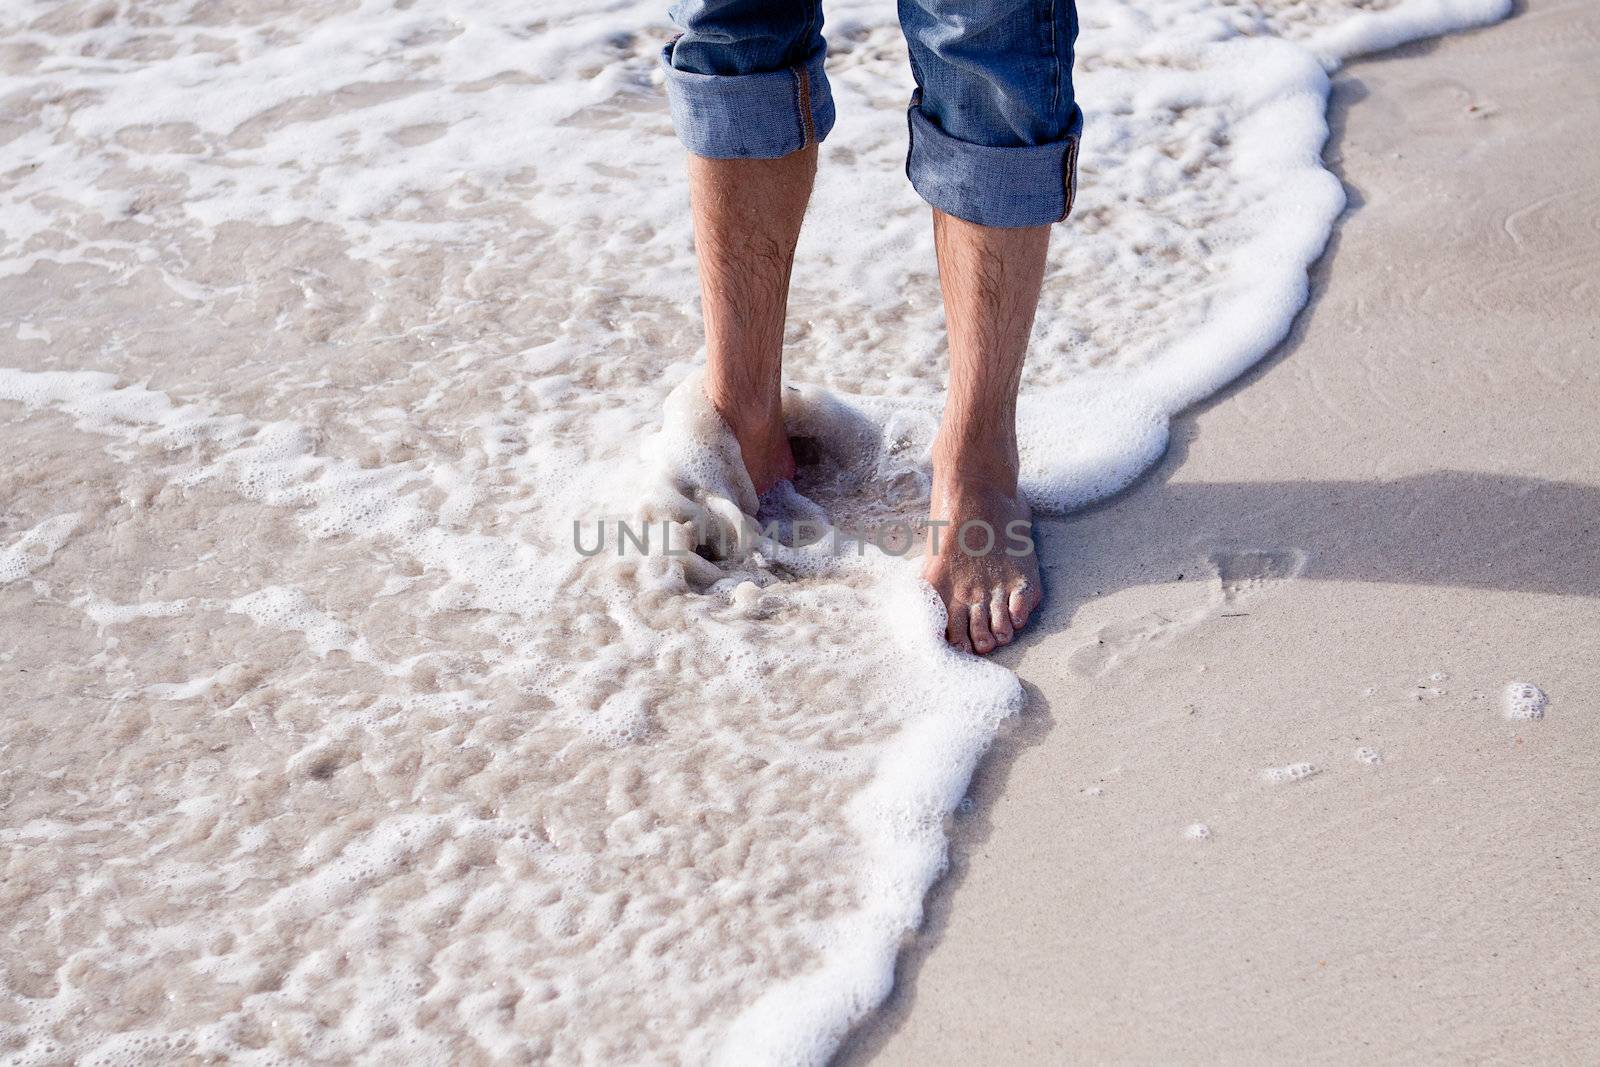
(1446, 528)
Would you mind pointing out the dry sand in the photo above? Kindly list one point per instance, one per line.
(1425, 452)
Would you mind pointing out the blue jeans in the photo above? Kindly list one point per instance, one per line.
(993, 123)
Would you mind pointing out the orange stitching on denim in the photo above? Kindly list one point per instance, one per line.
(808, 129)
(1070, 178)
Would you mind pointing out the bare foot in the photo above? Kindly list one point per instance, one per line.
(986, 570)
(765, 447)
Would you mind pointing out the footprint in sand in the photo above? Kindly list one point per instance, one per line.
(1237, 578)
(1294, 772)
(1243, 575)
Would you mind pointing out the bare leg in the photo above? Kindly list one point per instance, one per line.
(747, 215)
(990, 278)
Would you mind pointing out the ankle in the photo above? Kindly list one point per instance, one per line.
(975, 462)
(749, 423)
(747, 415)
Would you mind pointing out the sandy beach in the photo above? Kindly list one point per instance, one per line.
(325, 328)
(1404, 504)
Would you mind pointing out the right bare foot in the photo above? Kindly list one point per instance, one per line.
(747, 216)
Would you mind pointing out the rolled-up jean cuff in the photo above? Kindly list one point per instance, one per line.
(1029, 185)
(750, 116)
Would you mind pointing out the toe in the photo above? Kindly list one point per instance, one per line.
(956, 629)
(982, 638)
(1000, 618)
(1022, 602)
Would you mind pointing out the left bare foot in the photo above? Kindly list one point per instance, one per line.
(985, 570)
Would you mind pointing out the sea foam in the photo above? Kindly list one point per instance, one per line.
(324, 324)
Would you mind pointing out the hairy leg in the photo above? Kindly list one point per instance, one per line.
(990, 278)
(747, 215)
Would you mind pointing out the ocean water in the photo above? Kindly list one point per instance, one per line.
(320, 328)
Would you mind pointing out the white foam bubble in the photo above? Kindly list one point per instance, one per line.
(36, 546)
(1524, 701)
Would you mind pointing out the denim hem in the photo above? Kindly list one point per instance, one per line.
(750, 116)
(1028, 185)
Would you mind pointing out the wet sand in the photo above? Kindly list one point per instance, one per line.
(1343, 561)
